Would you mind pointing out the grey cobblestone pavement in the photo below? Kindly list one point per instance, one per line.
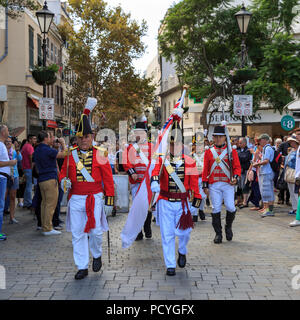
(255, 265)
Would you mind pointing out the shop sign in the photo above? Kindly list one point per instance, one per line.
(287, 123)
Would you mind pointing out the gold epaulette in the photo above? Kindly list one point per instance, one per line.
(71, 149)
(103, 151)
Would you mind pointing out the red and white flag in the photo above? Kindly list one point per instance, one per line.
(139, 209)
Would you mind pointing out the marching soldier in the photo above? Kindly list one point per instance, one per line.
(176, 184)
(220, 173)
(87, 174)
(198, 157)
(137, 157)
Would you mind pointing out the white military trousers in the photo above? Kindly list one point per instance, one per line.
(220, 191)
(82, 241)
(168, 215)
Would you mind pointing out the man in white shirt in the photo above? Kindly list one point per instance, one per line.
(5, 165)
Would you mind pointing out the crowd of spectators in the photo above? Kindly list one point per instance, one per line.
(29, 174)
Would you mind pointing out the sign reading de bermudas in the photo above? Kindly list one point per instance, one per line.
(261, 116)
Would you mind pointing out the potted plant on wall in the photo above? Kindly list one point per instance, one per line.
(45, 75)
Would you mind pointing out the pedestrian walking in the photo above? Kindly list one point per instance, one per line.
(252, 176)
(5, 165)
(27, 152)
(296, 222)
(290, 170)
(245, 157)
(220, 173)
(87, 174)
(13, 183)
(46, 165)
(135, 162)
(266, 176)
(178, 179)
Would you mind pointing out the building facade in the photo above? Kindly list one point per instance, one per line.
(21, 45)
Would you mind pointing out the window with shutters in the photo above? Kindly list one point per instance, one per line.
(31, 48)
(51, 55)
(61, 96)
(55, 55)
(57, 92)
(39, 50)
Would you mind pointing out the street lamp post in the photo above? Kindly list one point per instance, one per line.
(243, 18)
(180, 77)
(45, 18)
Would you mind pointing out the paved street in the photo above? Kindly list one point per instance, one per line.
(256, 265)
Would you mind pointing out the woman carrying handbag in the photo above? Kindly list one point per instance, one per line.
(289, 172)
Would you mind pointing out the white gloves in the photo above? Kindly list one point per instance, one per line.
(66, 184)
(155, 188)
(108, 210)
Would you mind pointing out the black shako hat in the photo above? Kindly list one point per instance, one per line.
(141, 126)
(84, 126)
(219, 131)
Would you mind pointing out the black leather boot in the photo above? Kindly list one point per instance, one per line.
(97, 264)
(181, 260)
(147, 226)
(81, 274)
(216, 223)
(139, 236)
(195, 218)
(171, 272)
(229, 219)
(201, 215)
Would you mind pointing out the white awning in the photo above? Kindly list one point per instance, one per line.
(293, 105)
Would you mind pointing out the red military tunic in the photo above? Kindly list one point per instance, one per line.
(99, 168)
(133, 163)
(218, 175)
(187, 173)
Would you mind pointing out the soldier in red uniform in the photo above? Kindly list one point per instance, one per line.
(218, 180)
(136, 161)
(87, 174)
(176, 185)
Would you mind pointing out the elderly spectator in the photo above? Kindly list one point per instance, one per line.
(296, 222)
(252, 175)
(289, 167)
(27, 152)
(277, 143)
(5, 165)
(283, 148)
(45, 161)
(13, 183)
(245, 157)
(59, 145)
(266, 175)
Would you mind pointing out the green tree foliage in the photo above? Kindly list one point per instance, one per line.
(101, 53)
(203, 39)
(16, 7)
